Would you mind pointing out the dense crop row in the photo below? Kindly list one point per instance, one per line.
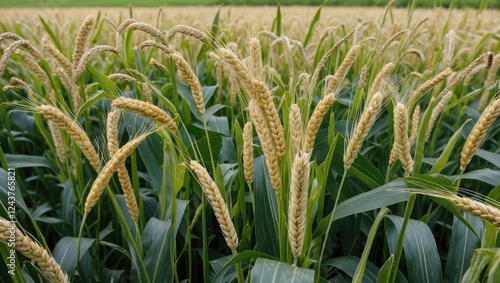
(305, 147)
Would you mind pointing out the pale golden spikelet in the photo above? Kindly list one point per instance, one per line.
(112, 131)
(76, 98)
(119, 77)
(61, 60)
(9, 35)
(419, 24)
(479, 132)
(146, 92)
(340, 74)
(149, 29)
(415, 123)
(75, 132)
(450, 47)
(192, 80)
(435, 114)
(233, 91)
(85, 58)
(7, 53)
(379, 79)
(315, 121)
(297, 206)
(401, 141)
(32, 250)
(189, 31)
(417, 94)
(486, 212)
(248, 168)
(362, 77)
(128, 191)
(220, 80)
(255, 58)
(266, 103)
(82, 38)
(119, 31)
(490, 79)
(107, 171)
(362, 128)
(324, 59)
(23, 85)
(33, 65)
(152, 43)
(473, 72)
(58, 142)
(295, 128)
(416, 52)
(218, 204)
(157, 65)
(269, 34)
(233, 63)
(394, 154)
(145, 109)
(267, 144)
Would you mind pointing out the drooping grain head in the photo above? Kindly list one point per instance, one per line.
(295, 128)
(248, 167)
(192, 80)
(82, 39)
(145, 109)
(315, 121)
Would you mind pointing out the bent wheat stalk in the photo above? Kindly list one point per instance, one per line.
(218, 204)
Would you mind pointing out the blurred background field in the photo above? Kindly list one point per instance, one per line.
(155, 3)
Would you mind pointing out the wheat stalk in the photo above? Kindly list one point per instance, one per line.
(82, 39)
(265, 101)
(315, 121)
(295, 128)
(145, 109)
(76, 133)
(401, 141)
(490, 79)
(267, 144)
(32, 250)
(362, 128)
(342, 70)
(192, 80)
(218, 204)
(107, 171)
(248, 168)
(479, 132)
(297, 206)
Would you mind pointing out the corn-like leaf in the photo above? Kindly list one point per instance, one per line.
(267, 270)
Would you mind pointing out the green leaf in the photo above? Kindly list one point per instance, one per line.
(6, 190)
(65, 252)
(348, 264)
(481, 259)
(312, 25)
(26, 161)
(445, 155)
(51, 34)
(421, 253)
(491, 157)
(156, 242)
(486, 175)
(267, 270)
(462, 245)
(245, 256)
(93, 99)
(266, 210)
(106, 84)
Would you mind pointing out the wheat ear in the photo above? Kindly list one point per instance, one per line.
(32, 250)
(248, 153)
(362, 77)
(85, 58)
(362, 128)
(82, 39)
(192, 80)
(122, 77)
(220, 80)
(145, 109)
(388, 43)
(33, 65)
(107, 171)
(237, 67)
(342, 70)
(435, 114)
(266, 103)
(187, 30)
(297, 206)
(218, 204)
(450, 47)
(267, 144)
(486, 212)
(417, 94)
(479, 132)
(57, 55)
(76, 133)
(401, 141)
(58, 141)
(377, 83)
(119, 31)
(295, 128)
(146, 92)
(315, 121)
(9, 35)
(255, 58)
(324, 59)
(13, 47)
(490, 79)
(149, 29)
